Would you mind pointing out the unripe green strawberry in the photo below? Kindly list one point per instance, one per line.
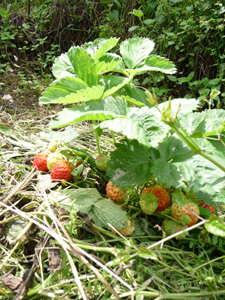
(113, 192)
(54, 145)
(180, 211)
(148, 203)
(127, 230)
(101, 162)
(161, 194)
(61, 171)
(53, 158)
(40, 161)
(170, 227)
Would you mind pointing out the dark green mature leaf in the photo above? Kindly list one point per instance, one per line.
(215, 226)
(62, 67)
(61, 88)
(135, 50)
(130, 164)
(84, 65)
(106, 211)
(106, 109)
(89, 201)
(167, 173)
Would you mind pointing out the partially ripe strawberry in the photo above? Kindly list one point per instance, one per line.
(61, 171)
(170, 227)
(180, 211)
(161, 194)
(40, 161)
(101, 162)
(148, 203)
(113, 192)
(127, 230)
(208, 207)
(53, 158)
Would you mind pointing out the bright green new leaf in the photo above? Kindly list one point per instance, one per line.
(146, 253)
(103, 110)
(133, 101)
(68, 135)
(112, 84)
(84, 65)
(62, 67)
(157, 63)
(105, 47)
(135, 51)
(215, 226)
(61, 88)
(84, 95)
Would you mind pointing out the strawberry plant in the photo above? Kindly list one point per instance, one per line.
(170, 142)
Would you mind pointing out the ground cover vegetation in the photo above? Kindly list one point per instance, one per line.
(112, 159)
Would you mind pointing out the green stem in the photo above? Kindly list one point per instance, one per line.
(178, 129)
(97, 138)
(113, 137)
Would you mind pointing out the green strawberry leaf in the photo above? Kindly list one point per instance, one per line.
(147, 254)
(68, 135)
(84, 65)
(105, 47)
(112, 84)
(61, 88)
(92, 110)
(90, 93)
(184, 220)
(15, 228)
(219, 198)
(135, 50)
(133, 101)
(62, 67)
(130, 90)
(141, 124)
(106, 211)
(167, 173)
(130, 164)
(157, 63)
(215, 226)
(107, 63)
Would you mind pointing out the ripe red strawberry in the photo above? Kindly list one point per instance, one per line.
(113, 192)
(40, 161)
(101, 162)
(180, 211)
(170, 227)
(208, 207)
(61, 171)
(148, 203)
(127, 230)
(161, 194)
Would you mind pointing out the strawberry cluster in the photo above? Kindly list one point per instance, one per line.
(59, 165)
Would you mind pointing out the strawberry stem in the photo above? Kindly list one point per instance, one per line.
(97, 138)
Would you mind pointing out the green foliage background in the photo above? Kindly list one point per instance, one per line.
(189, 33)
